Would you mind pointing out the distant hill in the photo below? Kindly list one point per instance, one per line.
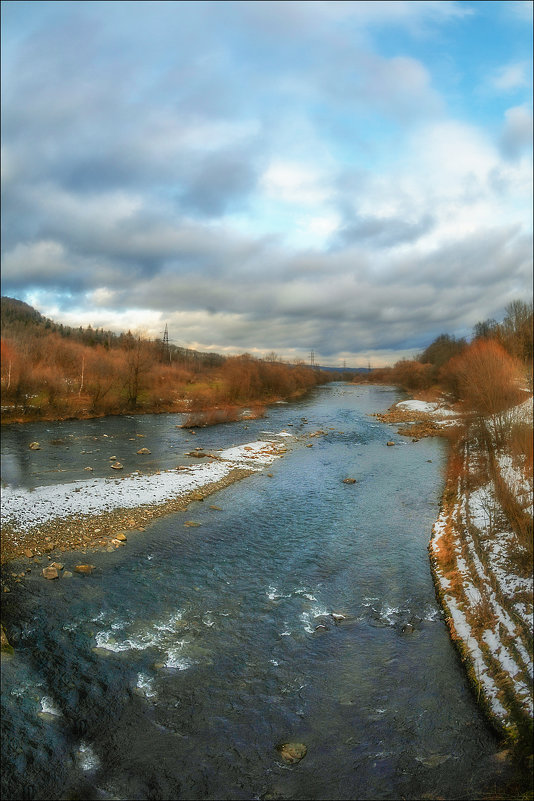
(15, 311)
(19, 318)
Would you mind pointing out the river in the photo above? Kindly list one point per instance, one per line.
(176, 669)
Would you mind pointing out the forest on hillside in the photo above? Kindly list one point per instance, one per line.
(52, 371)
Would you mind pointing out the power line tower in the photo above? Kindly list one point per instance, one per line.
(166, 347)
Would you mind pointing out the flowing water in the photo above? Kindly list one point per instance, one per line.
(176, 669)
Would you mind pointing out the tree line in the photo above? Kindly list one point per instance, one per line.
(52, 371)
(487, 374)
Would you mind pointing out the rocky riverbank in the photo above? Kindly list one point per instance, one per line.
(418, 418)
(98, 531)
(90, 514)
(481, 566)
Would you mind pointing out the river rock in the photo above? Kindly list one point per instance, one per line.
(57, 565)
(85, 570)
(28, 552)
(390, 443)
(6, 647)
(144, 450)
(116, 466)
(191, 524)
(121, 537)
(349, 481)
(320, 628)
(407, 629)
(116, 543)
(50, 573)
(292, 752)
(34, 446)
(88, 468)
(338, 617)
(67, 574)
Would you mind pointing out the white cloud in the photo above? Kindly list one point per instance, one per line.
(298, 184)
(510, 77)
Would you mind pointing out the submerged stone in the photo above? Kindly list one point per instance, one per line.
(85, 570)
(292, 752)
(50, 572)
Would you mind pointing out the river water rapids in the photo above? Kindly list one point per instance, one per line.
(176, 669)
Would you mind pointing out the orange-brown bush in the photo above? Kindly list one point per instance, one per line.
(487, 379)
(57, 371)
(412, 374)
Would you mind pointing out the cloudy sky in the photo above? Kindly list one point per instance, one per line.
(352, 178)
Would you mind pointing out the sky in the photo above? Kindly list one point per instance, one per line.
(348, 178)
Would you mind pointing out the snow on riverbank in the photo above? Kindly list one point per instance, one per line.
(479, 563)
(24, 509)
(425, 406)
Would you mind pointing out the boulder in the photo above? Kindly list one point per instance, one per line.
(338, 617)
(349, 481)
(407, 629)
(85, 570)
(121, 537)
(88, 468)
(292, 752)
(116, 466)
(50, 572)
(34, 446)
(144, 450)
(390, 442)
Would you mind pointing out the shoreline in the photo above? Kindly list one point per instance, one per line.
(474, 588)
(177, 407)
(90, 514)
(96, 532)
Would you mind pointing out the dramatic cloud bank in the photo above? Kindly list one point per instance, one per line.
(352, 178)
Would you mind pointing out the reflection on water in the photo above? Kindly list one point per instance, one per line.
(302, 610)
